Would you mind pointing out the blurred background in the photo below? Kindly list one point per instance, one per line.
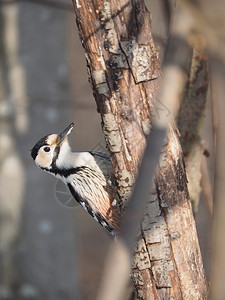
(49, 248)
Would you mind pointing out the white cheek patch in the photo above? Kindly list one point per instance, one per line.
(44, 159)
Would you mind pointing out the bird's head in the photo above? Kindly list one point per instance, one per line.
(51, 149)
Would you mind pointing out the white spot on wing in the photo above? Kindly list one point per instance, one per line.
(83, 205)
(96, 219)
(104, 224)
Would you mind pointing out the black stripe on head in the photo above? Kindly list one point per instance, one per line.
(56, 154)
(37, 146)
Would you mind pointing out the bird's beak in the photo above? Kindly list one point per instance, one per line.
(65, 132)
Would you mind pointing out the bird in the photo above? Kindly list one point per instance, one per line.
(88, 175)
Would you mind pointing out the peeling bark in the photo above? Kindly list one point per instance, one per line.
(123, 69)
(111, 36)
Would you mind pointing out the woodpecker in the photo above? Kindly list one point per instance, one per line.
(89, 176)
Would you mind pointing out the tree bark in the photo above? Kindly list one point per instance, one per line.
(123, 68)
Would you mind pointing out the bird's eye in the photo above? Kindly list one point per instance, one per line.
(47, 149)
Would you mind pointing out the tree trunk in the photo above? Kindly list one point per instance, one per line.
(123, 69)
